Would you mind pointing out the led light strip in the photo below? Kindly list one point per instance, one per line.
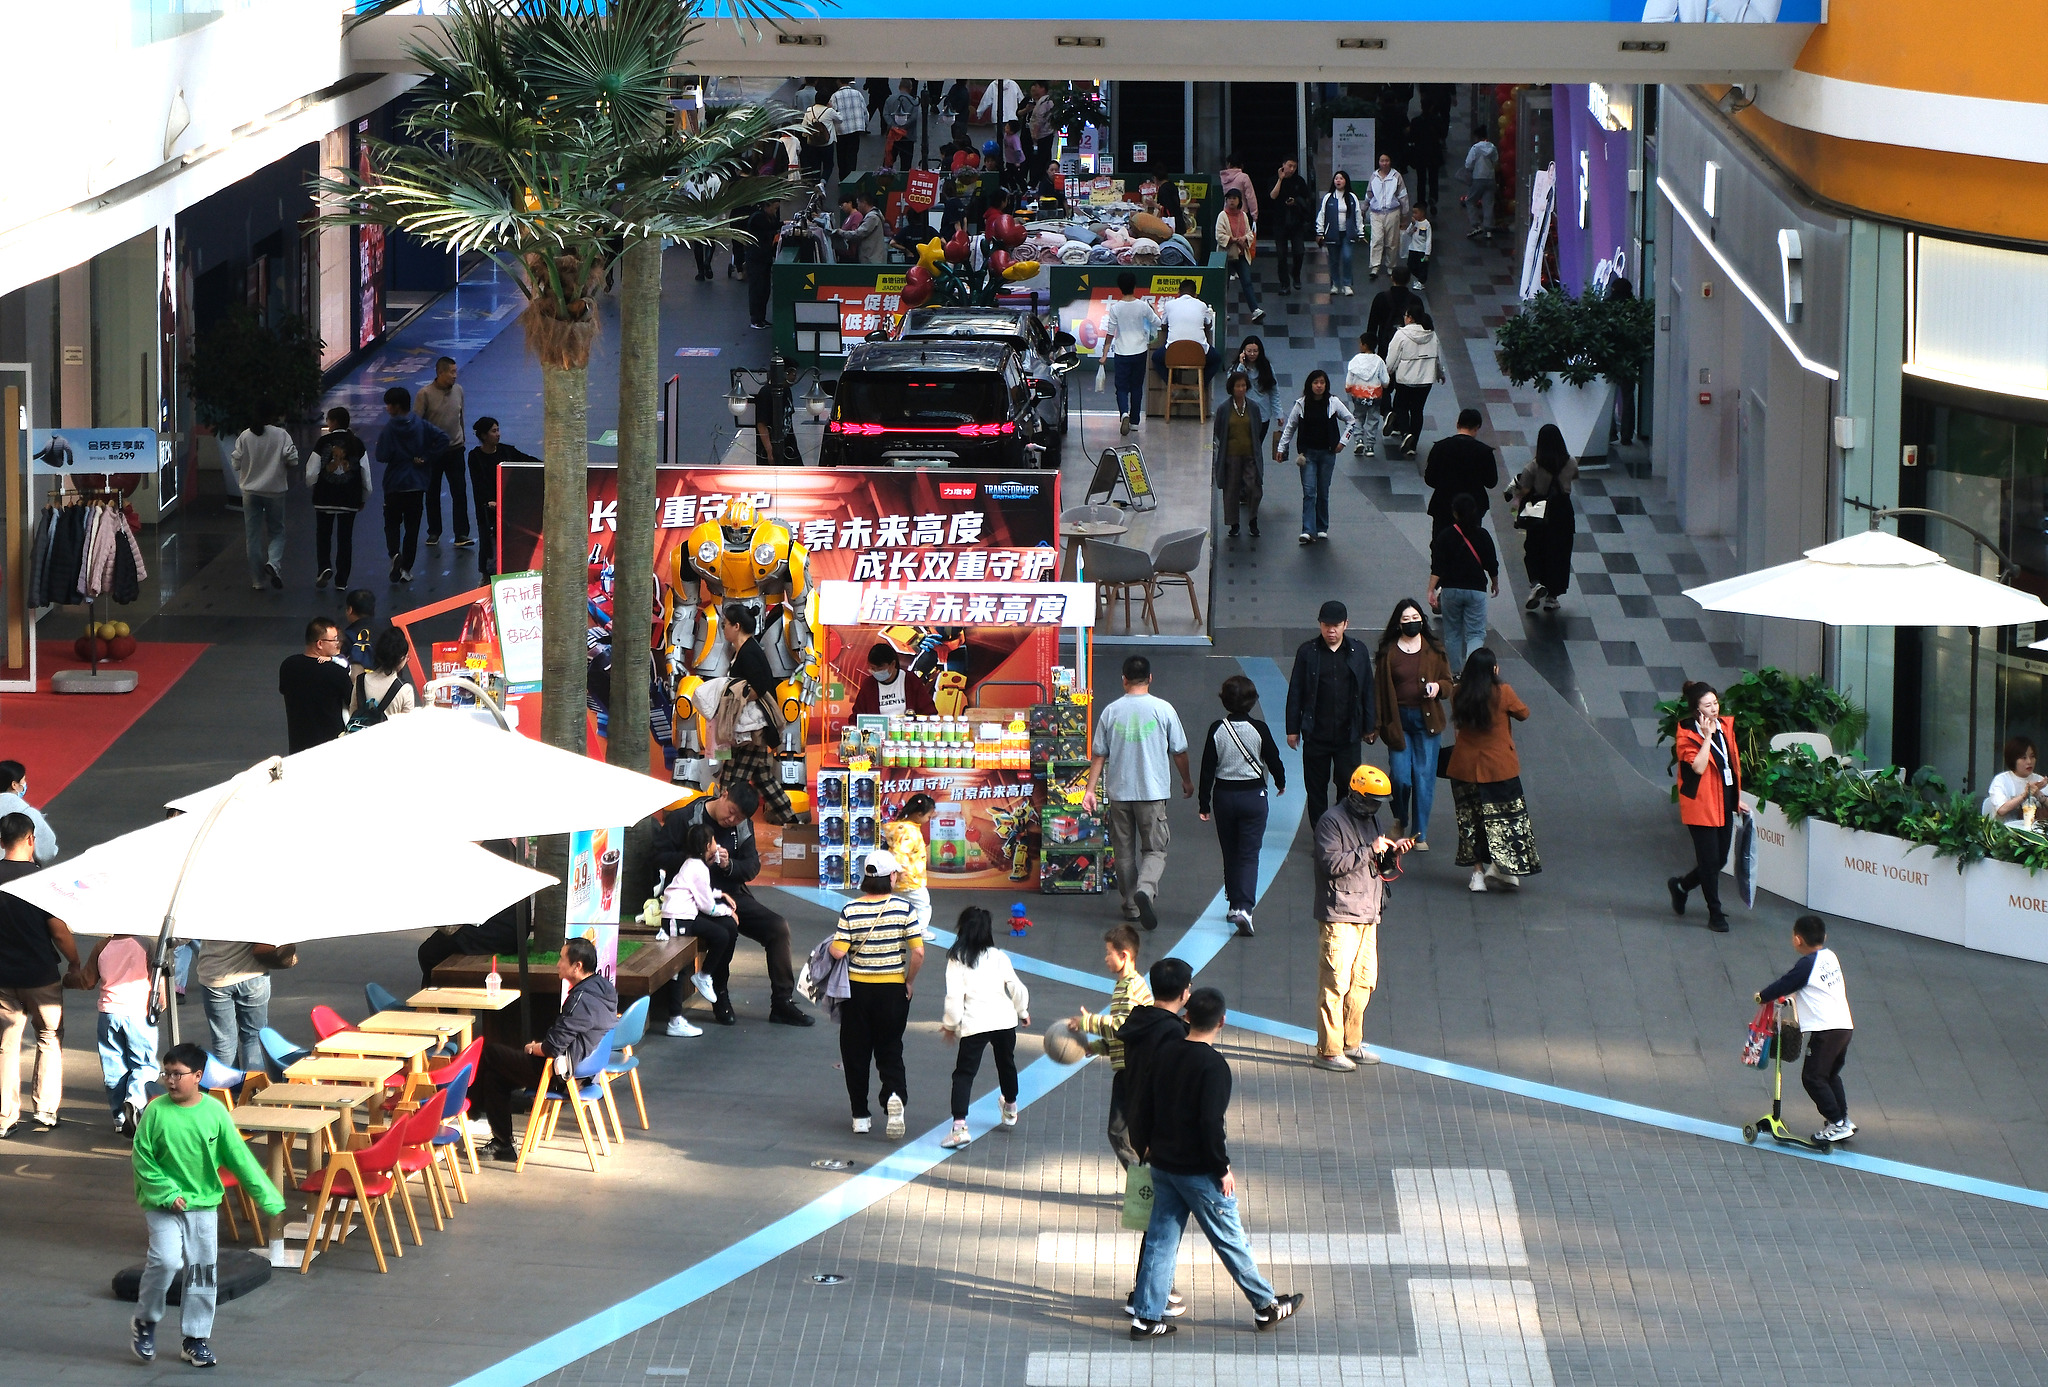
(1678, 207)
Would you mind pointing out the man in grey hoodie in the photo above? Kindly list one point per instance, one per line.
(1353, 861)
(405, 447)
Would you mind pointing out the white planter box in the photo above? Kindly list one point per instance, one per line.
(1886, 881)
(1781, 853)
(2005, 910)
(1583, 413)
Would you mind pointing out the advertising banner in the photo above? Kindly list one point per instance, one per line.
(1084, 317)
(516, 598)
(1352, 148)
(593, 909)
(1027, 603)
(65, 452)
(981, 815)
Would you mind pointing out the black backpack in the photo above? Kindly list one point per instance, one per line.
(370, 714)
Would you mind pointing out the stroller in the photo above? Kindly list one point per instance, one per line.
(1773, 1039)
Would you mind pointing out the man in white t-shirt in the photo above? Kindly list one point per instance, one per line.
(1138, 741)
(1130, 324)
(1188, 319)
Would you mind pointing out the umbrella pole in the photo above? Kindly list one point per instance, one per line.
(1970, 776)
(525, 991)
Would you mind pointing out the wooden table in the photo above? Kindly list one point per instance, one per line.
(332, 1069)
(463, 998)
(285, 1125)
(440, 1025)
(412, 1049)
(640, 973)
(343, 1098)
(1081, 530)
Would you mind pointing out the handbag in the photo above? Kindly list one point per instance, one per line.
(1138, 1198)
(1763, 1030)
(1745, 858)
(1533, 513)
(1443, 759)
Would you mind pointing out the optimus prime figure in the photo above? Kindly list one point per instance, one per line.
(747, 559)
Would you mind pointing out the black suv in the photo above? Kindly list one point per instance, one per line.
(1047, 356)
(937, 404)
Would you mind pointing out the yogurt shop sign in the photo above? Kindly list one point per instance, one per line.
(1885, 880)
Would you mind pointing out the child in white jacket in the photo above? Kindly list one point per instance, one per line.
(1366, 380)
(985, 1004)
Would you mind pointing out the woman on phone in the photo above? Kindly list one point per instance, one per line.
(1265, 389)
(1709, 798)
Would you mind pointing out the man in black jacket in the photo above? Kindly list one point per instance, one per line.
(737, 862)
(590, 1009)
(485, 458)
(1177, 1125)
(1460, 464)
(1329, 707)
(1144, 1031)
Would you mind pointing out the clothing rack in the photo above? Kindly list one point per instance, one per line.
(114, 681)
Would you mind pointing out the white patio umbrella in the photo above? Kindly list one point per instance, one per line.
(454, 777)
(1878, 579)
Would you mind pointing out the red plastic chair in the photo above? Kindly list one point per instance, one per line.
(368, 1176)
(327, 1021)
(236, 1194)
(422, 1158)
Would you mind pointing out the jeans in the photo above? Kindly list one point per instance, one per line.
(187, 1242)
(235, 1017)
(450, 467)
(1139, 836)
(1710, 844)
(1240, 829)
(1348, 973)
(1413, 769)
(402, 525)
(1464, 612)
(1318, 469)
(1321, 766)
(127, 1059)
(1174, 1197)
(1339, 252)
(967, 1064)
(43, 1008)
(334, 539)
(1129, 369)
(1293, 250)
(263, 530)
(1247, 280)
(1826, 1053)
(871, 1024)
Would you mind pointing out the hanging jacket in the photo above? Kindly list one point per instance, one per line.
(66, 557)
(39, 558)
(99, 562)
(129, 572)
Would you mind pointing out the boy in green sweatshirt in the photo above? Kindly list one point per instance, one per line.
(181, 1143)
(1120, 958)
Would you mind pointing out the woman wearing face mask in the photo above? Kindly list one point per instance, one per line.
(1319, 424)
(1709, 798)
(1413, 676)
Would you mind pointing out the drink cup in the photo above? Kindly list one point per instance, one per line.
(608, 875)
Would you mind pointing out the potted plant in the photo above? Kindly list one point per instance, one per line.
(1575, 351)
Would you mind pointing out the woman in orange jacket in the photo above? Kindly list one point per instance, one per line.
(1709, 798)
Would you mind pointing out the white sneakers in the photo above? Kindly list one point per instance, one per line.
(894, 1127)
(956, 1138)
(1343, 1064)
(705, 988)
(863, 1125)
(678, 1026)
(1478, 882)
(1502, 881)
(1836, 1131)
(1359, 1054)
(1009, 1114)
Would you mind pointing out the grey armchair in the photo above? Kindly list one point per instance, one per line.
(1117, 568)
(1175, 557)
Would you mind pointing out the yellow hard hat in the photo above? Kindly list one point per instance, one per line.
(1371, 780)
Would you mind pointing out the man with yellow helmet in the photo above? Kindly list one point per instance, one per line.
(1354, 862)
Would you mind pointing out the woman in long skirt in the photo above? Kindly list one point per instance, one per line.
(1495, 838)
(1547, 539)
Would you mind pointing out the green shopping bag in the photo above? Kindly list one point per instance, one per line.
(1138, 1198)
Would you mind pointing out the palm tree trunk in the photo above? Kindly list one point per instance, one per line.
(633, 553)
(565, 674)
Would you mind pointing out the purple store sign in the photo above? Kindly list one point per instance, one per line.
(1593, 143)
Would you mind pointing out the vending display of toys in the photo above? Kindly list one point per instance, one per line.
(1066, 782)
(1073, 842)
(1069, 827)
(835, 832)
(1070, 873)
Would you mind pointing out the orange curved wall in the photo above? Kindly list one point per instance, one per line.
(1982, 48)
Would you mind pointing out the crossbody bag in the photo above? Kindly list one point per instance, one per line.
(1245, 751)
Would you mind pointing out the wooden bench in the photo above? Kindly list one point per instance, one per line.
(640, 974)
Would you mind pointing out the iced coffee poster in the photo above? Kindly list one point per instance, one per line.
(594, 856)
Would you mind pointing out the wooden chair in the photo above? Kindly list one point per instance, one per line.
(365, 1176)
(1115, 569)
(1186, 384)
(584, 1095)
(235, 1194)
(1175, 556)
(632, 1028)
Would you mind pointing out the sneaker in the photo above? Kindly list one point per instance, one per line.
(465, 543)
(42, 1125)
(1422, 845)
(199, 1354)
(1360, 1055)
(1347, 291)
(1371, 451)
(1478, 882)
(1146, 915)
(1281, 1309)
(502, 1151)
(142, 1340)
(405, 575)
(863, 1125)
(1340, 1063)
(931, 934)
(789, 1014)
(1152, 1329)
(326, 577)
(1233, 532)
(1535, 598)
(395, 569)
(1851, 1126)
(956, 1138)
(1304, 538)
(759, 325)
(1359, 451)
(256, 585)
(276, 581)
(705, 988)
(1255, 529)
(1258, 315)
(1322, 534)
(678, 1026)
(478, 1128)
(1009, 1111)
(894, 1126)
(433, 539)
(1176, 1306)
(1502, 881)
(1123, 425)
(1825, 1134)
(1718, 923)
(1678, 894)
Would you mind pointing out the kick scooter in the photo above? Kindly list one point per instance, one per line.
(1772, 1123)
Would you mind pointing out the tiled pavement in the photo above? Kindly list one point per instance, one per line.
(1650, 1258)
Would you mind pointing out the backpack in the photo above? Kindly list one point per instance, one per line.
(370, 714)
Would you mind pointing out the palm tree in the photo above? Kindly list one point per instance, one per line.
(546, 146)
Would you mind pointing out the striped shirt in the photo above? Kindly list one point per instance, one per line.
(1132, 990)
(878, 930)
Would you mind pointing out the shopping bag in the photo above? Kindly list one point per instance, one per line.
(1756, 1050)
(1138, 1198)
(1745, 858)
(1102, 373)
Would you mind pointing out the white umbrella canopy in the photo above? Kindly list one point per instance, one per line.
(479, 781)
(265, 875)
(1872, 579)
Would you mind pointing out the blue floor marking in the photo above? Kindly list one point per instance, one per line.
(1203, 940)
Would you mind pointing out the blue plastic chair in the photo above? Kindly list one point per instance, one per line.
(631, 1030)
(585, 1100)
(222, 1082)
(280, 1054)
(380, 999)
(454, 1127)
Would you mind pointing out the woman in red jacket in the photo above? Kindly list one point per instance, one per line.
(1709, 798)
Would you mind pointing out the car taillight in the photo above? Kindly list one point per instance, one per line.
(985, 430)
(836, 426)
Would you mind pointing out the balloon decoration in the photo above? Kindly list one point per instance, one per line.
(968, 271)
